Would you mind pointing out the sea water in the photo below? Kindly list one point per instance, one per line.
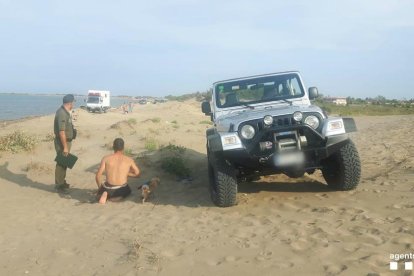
(17, 106)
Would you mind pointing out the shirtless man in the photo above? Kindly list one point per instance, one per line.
(118, 167)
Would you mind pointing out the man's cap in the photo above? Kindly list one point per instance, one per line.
(69, 98)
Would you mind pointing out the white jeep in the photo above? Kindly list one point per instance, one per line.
(267, 125)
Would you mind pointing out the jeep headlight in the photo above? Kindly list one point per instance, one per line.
(298, 116)
(312, 121)
(268, 120)
(247, 132)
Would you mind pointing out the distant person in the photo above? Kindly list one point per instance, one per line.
(130, 106)
(64, 134)
(74, 115)
(124, 109)
(117, 167)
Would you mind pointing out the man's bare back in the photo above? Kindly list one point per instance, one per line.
(117, 167)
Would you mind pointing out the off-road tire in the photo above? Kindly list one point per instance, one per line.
(342, 170)
(223, 181)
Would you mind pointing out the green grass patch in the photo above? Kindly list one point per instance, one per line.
(175, 165)
(132, 121)
(17, 141)
(205, 122)
(174, 122)
(366, 109)
(151, 144)
(173, 160)
(155, 120)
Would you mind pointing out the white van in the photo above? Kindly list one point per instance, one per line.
(98, 100)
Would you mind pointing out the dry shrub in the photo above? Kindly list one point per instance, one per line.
(49, 137)
(17, 141)
(118, 125)
(155, 120)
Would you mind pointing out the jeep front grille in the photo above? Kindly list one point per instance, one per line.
(283, 122)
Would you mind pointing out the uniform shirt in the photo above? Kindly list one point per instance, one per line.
(63, 121)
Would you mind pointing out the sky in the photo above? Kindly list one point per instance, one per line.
(345, 48)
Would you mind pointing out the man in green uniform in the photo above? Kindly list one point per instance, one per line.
(64, 134)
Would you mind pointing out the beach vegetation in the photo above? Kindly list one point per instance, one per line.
(173, 160)
(49, 137)
(155, 120)
(154, 131)
(18, 141)
(377, 106)
(132, 122)
(128, 152)
(151, 144)
(198, 96)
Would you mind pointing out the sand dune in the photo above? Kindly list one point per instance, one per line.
(281, 226)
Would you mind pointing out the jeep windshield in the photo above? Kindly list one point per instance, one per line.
(258, 90)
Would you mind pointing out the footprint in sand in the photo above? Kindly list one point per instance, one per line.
(332, 269)
(322, 196)
(231, 258)
(171, 253)
(300, 244)
(264, 256)
(322, 210)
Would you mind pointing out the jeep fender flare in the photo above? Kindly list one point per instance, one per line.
(213, 140)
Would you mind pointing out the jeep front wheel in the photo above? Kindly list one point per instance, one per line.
(342, 170)
(223, 182)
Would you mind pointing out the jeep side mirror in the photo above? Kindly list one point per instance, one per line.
(205, 108)
(313, 93)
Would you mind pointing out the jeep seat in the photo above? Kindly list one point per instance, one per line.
(231, 99)
(269, 92)
(285, 90)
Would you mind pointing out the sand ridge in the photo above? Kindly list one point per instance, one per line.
(281, 226)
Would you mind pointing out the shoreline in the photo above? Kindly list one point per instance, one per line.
(20, 120)
(6, 122)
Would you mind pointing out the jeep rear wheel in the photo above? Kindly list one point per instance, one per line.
(223, 182)
(342, 170)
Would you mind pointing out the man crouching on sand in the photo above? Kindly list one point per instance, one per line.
(117, 167)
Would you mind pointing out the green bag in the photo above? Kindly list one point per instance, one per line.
(66, 161)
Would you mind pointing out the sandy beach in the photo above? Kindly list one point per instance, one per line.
(280, 226)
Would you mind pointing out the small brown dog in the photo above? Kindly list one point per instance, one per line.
(149, 188)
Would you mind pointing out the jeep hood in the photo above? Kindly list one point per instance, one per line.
(239, 116)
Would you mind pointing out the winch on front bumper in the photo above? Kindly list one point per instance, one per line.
(281, 147)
